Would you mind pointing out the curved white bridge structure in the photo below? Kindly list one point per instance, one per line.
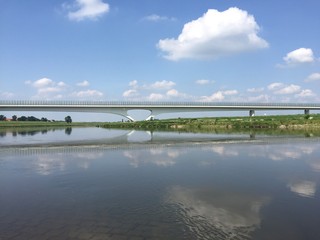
(155, 108)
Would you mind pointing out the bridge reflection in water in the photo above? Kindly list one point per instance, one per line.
(156, 108)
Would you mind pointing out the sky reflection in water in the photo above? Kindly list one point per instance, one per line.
(188, 191)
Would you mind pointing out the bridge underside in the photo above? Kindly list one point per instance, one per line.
(154, 111)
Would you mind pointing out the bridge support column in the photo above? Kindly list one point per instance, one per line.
(251, 113)
(307, 111)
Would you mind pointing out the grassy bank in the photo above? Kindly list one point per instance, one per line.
(287, 122)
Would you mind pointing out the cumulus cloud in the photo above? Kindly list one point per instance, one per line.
(299, 56)
(133, 83)
(130, 93)
(46, 87)
(275, 86)
(164, 84)
(290, 89)
(83, 84)
(87, 94)
(313, 77)
(213, 35)
(156, 97)
(218, 96)
(305, 93)
(157, 18)
(157, 91)
(86, 9)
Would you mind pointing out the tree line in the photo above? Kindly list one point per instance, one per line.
(68, 119)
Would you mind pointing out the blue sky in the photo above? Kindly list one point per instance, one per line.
(156, 50)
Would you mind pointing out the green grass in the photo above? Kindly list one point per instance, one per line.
(283, 122)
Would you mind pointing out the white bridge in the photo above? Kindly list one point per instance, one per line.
(155, 108)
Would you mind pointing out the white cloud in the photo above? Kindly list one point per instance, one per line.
(130, 93)
(87, 9)
(275, 86)
(305, 93)
(299, 56)
(46, 88)
(41, 83)
(157, 18)
(133, 83)
(85, 83)
(218, 96)
(156, 97)
(164, 84)
(213, 35)
(313, 77)
(203, 81)
(173, 93)
(87, 93)
(290, 89)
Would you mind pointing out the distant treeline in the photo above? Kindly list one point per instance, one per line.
(24, 118)
(14, 118)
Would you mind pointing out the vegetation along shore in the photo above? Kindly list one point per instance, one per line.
(286, 122)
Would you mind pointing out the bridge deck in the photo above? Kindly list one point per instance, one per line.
(155, 108)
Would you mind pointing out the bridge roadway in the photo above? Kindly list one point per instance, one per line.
(155, 108)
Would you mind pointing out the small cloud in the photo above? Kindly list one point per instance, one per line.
(85, 83)
(86, 9)
(203, 81)
(46, 87)
(298, 57)
(133, 83)
(305, 93)
(156, 97)
(157, 18)
(313, 77)
(213, 35)
(173, 93)
(162, 84)
(290, 89)
(130, 93)
(218, 96)
(88, 93)
(41, 83)
(275, 86)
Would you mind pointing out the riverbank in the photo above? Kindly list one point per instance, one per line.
(286, 122)
(36, 124)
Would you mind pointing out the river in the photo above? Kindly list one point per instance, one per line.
(95, 183)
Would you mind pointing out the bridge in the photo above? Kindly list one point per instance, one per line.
(122, 107)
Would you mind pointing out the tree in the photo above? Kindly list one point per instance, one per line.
(14, 118)
(3, 118)
(68, 119)
(22, 118)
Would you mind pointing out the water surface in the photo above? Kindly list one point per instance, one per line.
(141, 185)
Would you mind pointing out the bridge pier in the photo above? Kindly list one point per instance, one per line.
(307, 111)
(251, 113)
